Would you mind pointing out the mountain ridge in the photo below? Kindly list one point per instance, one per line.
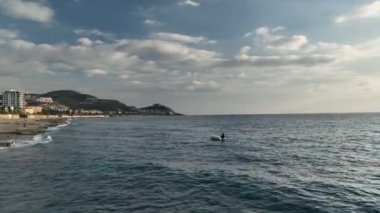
(76, 100)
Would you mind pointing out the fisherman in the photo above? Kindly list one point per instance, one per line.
(223, 136)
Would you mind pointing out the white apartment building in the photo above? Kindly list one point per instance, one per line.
(14, 98)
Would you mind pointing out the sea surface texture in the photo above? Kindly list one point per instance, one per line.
(269, 163)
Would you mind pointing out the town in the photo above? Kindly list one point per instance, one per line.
(70, 103)
(18, 102)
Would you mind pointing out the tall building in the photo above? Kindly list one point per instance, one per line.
(14, 98)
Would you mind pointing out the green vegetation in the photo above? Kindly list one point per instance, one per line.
(69, 98)
(76, 100)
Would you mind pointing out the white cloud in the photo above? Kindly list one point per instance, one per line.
(244, 53)
(278, 60)
(135, 57)
(367, 11)
(139, 60)
(179, 66)
(271, 40)
(153, 23)
(181, 38)
(94, 72)
(204, 86)
(192, 3)
(168, 51)
(19, 44)
(7, 34)
(21, 9)
(85, 41)
(340, 52)
(276, 29)
(277, 50)
(124, 76)
(293, 43)
(94, 32)
(265, 34)
(262, 31)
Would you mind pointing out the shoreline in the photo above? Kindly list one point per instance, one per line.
(14, 129)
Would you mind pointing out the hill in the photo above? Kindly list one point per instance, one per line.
(76, 100)
(68, 98)
(158, 109)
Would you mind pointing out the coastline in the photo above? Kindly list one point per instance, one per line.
(14, 129)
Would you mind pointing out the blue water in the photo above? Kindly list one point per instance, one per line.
(270, 163)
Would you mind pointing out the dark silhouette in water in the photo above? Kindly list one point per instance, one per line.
(222, 136)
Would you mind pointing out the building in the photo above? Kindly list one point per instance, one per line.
(14, 98)
(43, 100)
(30, 110)
(29, 97)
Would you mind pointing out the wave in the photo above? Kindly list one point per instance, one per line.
(42, 138)
(37, 139)
(59, 126)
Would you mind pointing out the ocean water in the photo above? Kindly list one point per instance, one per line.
(269, 163)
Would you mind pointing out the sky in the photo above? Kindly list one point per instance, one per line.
(198, 56)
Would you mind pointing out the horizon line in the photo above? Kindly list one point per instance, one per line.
(294, 113)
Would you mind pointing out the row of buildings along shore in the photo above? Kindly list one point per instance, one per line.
(18, 102)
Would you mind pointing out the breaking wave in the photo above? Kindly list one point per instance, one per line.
(37, 139)
(42, 138)
(64, 124)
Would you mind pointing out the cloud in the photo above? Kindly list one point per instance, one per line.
(133, 60)
(94, 72)
(294, 63)
(341, 52)
(172, 54)
(170, 64)
(367, 11)
(192, 3)
(19, 44)
(204, 86)
(85, 41)
(276, 29)
(94, 32)
(277, 50)
(244, 53)
(278, 60)
(153, 23)
(271, 40)
(6, 35)
(28, 10)
(175, 37)
(263, 31)
(289, 44)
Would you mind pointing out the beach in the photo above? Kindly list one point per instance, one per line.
(24, 129)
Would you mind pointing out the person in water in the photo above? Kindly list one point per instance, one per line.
(223, 136)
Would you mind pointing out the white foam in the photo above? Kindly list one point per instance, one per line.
(37, 139)
(40, 138)
(54, 128)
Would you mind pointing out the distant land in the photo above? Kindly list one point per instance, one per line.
(76, 100)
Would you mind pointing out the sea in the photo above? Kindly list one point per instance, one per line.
(269, 163)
